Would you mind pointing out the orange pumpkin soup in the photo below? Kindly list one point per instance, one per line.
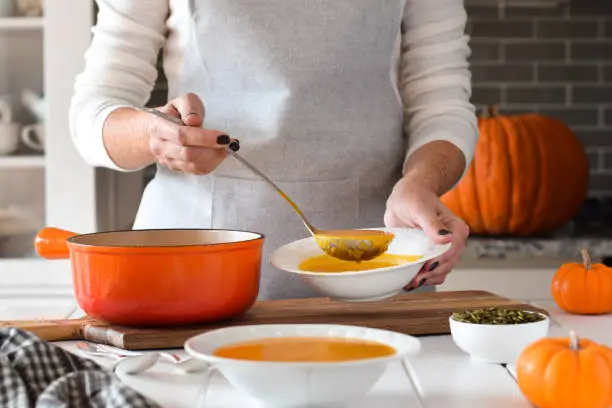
(305, 349)
(326, 263)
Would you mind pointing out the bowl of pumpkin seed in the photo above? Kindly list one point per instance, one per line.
(497, 335)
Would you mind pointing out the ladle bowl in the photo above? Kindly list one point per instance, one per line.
(353, 245)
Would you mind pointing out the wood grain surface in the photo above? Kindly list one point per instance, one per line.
(414, 314)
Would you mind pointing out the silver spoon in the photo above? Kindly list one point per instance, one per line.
(103, 349)
(131, 365)
(127, 364)
(348, 245)
(188, 365)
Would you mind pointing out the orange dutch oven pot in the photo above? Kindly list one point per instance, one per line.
(159, 277)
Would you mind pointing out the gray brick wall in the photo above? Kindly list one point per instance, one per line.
(554, 61)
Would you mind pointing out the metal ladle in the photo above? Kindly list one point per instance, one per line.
(348, 245)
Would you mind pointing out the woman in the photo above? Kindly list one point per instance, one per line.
(359, 109)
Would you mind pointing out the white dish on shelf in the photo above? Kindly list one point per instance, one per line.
(21, 23)
(19, 161)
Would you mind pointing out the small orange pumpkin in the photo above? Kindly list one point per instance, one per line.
(566, 373)
(583, 288)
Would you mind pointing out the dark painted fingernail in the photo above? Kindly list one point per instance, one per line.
(433, 266)
(444, 232)
(409, 286)
(234, 146)
(223, 139)
(421, 282)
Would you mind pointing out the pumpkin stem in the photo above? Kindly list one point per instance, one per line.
(574, 341)
(586, 259)
(493, 111)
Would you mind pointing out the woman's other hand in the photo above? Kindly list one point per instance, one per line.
(414, 205)
(189, 148)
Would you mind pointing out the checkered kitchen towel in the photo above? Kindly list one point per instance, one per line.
(34, 373)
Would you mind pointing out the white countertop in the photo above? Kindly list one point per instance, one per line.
(447, 377)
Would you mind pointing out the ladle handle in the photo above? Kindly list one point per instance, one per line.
(280, 192)
(50, 243)
(163, 115)
(248, 165)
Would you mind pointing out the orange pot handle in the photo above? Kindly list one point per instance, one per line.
(50, 243)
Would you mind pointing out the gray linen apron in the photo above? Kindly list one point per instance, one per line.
(308, 88)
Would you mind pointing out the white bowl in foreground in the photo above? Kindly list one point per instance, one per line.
(361, 286)
(496, 343)
(301, 384)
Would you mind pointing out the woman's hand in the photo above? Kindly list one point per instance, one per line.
(413, 205)
(189, 148)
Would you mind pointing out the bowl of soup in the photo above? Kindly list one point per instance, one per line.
(302, 365)
(377, 279)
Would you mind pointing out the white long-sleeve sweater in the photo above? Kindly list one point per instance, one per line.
(432, 70)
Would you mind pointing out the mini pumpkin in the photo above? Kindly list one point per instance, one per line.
(566, 373)
(583, 288)
(529, 176)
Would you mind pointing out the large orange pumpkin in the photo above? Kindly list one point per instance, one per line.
(529, 175)
(566, 373)
(583, 288)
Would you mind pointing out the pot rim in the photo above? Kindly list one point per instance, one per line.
(74, 240)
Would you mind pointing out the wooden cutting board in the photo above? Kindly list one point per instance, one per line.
(414, 314)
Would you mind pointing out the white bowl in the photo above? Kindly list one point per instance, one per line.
(301, 384)
(497, 344)
(361, 286)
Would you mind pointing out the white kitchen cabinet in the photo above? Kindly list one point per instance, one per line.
(45, 55)
(22, 176)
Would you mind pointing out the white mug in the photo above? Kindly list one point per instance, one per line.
(34, 136)
(6, 112)
(9, 138)
(34, 102)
